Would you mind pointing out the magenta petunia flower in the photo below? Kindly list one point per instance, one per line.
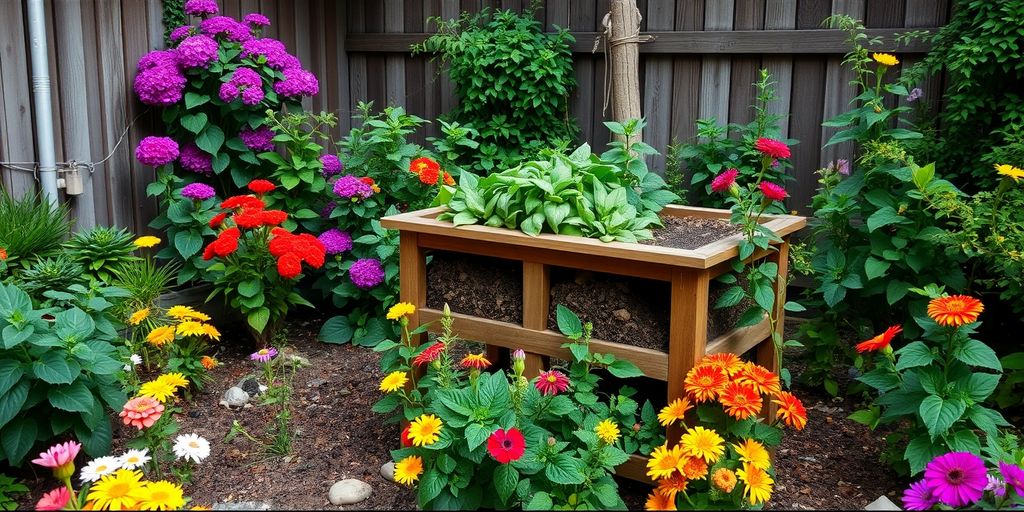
(773, 191)
(196, 160)
(1014, 477)
(201, 7)
(552, 382)
(919, 497)
(260, 139)
(352, 187)
(957, 479)
(724, 181)
(331, 165)
(255, 19)
(198, 191)
(366, 273)
(197, 51)
(264, 354)
(772, 147)
(156, 151)
(297, 82)
(335, 241)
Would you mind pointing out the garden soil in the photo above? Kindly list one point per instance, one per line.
(832, 464)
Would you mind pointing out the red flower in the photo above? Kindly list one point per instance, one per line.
(772, 147)
(289, 266)
(406, 442)
(506, 445)
(429, 176)
(773, 191)
(249, 218)
(272, 217)
(423, 163)
(429, 354)
(552, 382)
(243, 202)
(448, 180)
(218, 219)
(261, 187)
(723, 181)
(312, 250)
(368, 180)
(881, 341)
(226, 243)
(281, 243)
(208, 253)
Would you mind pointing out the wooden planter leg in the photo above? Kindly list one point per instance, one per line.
(687, 333)
(412, 279)
(536, 304)
(767, 355)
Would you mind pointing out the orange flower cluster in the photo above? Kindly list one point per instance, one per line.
(292, 250)
(430, 172)
(740, 387)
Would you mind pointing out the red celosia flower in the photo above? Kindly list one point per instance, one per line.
(272, 217)
(368, 180)
(448, 180)
(289, 266)
(218, 219)
(311, 250)
(421, 164)
(225, 244)
(506, 445)
(243, 202)
(881, 341)
(772, 147)
(740, 400)
(208, 253)
(429, 354)
(552, 382)
(791, 410)
(261, 187)
(955, 310)
(249, 218)
(773, 191)
(406, 442)
(723, 181)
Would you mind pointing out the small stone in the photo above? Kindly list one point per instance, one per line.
(249, 385)
(315, 383)
(882, 503)
(387, 471)
(344, 392)
(295, 356)
(242, 505)
(235, 397)
(622, 314)
(349, 491)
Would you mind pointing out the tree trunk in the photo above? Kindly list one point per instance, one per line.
(623, 62)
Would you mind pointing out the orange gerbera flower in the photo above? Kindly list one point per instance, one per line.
(741, 400)
(704, 382)
(673, 412)
(955, 310)
(762, 379)
(695, 468)
(656, 501)
(881, 341)
(727, 361)
(671, 486)
(791, 410)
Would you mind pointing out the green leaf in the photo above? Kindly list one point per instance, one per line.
(565, 470)
(939, 414)
(964, 441)
(12, 401)
(880, 379)
(10, 374)
(464, 218)
(866, 417)
(96, 441)
(258, 319)
(194, 122)
(211, 139)
(913, 355)
(18, 438)
(568, 322)
(55, 368)
(986, 419)
(624, 369)
(336, 330)
(476, 435)
(540, 501)
(981, 385)
(188, 243)
(731, 297)
(74, 397)
(976, 353)
(430, 486)
(920, 451)
(875, 268)
(883, 217)
(506, 478)
(193, 99)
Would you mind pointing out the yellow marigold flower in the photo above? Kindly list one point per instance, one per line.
(121, 490)
(181, 312)
(174, 379)
(425, 430)
(162, 495)
(757, 484)
(138, 316)
(695, 468)
(146, 241)
(1010, 171)
(607, 431)
(754, 453)
(402, 309)
(211, 332)
(157, 390)
(208, 362)
(664, 462)
(191, 328)
(408, 470)
(393, 382)
(885, 59)
(478, 361)
(724, 479)
(161, 335)
(674, 412)
(704, 443)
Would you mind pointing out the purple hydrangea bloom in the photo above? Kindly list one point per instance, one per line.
(297, 82)
(181, 32)
(197, 51)
(198, 191)
(246, 82)
(260, 139)
(352, 187)
(158, 58)
(366, 273)
(335, 241)
(328, 208)
(246, 77)
(201, 7)
(227, 26)
(156, 151)
(331, 165)
(256, 19)
(273, 50)
(160, 86)
(196, 160)
(252, 95)
(228, 92)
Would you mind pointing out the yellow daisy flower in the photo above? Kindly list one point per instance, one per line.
(673, 412)
(885, 59)
(181, 312)
(757, 484)
(753, 452)
(425, 430)
(161, 335)
(1010, 171)
(121, 490)
(173, 379)
(138, 316)
(393, 382)
(703, 443)
(607, 431)
(408, 470)
(147, 241)
(190, 328)
(400, 310)
(211, 332)
(664, 462)
(162, 495)
(157, 390)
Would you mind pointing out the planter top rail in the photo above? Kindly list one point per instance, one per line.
(425, 221)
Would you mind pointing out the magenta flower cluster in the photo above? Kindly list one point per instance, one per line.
(331, 166)
(200, 7)
(960, 479)
(272, 50)
(349, 186)
(297, 82)
(198, 191)
(160, 81)
(157, 151)
(196, 160)
(197, 51)
(366, 273)
(226, 26)
(335, 241)
(181, 32)
(256, 20)
(245, 83)
(260, 139)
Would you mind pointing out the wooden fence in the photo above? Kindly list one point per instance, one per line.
(702, 63)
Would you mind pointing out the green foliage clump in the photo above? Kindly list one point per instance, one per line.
(30, 228)
(9, 488)
(100, 250)
(57, 273)
(513, 83)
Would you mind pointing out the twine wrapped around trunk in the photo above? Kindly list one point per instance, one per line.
(622, 60)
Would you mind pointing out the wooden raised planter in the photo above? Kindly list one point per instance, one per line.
(689, 273)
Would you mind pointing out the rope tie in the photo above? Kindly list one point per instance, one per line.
(609, 43)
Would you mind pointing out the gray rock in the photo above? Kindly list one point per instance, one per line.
(249, 385)
(242, 505)
(315, 383)
(295, 356)
(349, 491)
(235, 397)
(387, 471)
(882, 503)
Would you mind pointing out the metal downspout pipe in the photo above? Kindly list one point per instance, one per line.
(41, 97)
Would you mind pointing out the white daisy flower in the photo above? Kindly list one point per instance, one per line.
(136, 359)
(99, 467)
(127, 368)
(134, 459)
(191, 447)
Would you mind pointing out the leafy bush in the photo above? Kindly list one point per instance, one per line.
(58, 369)
(144, 281)
(718, 149)
(493, 440)
(9, 488)
(931, 386)
(30, 228)
(44, 274)
(100, 250)
(580, 194)
(513, 83)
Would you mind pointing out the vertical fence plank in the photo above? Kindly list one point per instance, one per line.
(394, 21)
(599, 133)
(415, 77)
(356, 61)
(583, 17)
(96, 115)
(838, 90)
(749, 16)
(136, 41)
(17, 137)
(661, 16)
(450, 9)
(780, 14)
(115, 114)
(686, 77)
(431, 75)
(807, 105)
(925, 13)
(716, 71)
(338, 65)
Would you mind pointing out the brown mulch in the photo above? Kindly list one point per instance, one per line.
(475, 285)
(690, 232)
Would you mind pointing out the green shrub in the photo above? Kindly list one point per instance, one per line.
(100, 250)
(30, 228)
(44, 274)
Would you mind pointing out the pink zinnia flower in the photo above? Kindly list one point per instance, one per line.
(958, 479)
(552, 382)
(54, 500)
(142, 412)
(919, 497)
(1014, 477)
(60, 458)
(772, 147)
(723, 181)
(773, 191)
(264, 354)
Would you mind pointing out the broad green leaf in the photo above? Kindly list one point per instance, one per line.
(624, 369)
(54, 367)
(913, 355)
(336, 330)
(976, 353)
(476, 435)
(568, 322)
(939, 414)
(920, 451)
(565, 470)
(18, 438)
(506, 478)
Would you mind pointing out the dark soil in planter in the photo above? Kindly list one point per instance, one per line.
(690, 232)
(484, 287)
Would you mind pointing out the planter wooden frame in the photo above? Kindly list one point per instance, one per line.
(689, 273)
